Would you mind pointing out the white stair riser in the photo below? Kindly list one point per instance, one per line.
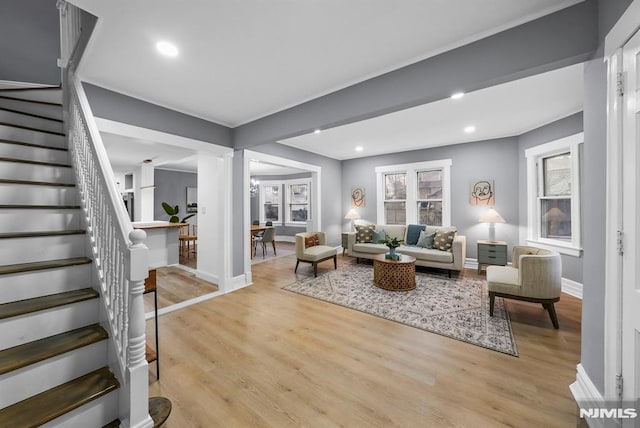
(16, 151)
(44, 95)
(96, 414)
(54, 112)
(27, 220)
(15, 331)
(26, 194)
(30, 121)
(34, 249)
(31, 172)
(36, 378)
(26, 285)
(29, 136)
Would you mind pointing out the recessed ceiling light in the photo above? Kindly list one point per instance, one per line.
(457, 95)
(167, 49)
(359, 148)
(317, 131)
(469, 129)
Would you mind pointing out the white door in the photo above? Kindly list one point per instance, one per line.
(630, 200)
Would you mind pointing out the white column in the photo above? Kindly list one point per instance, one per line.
(210, 220)
(143, 193)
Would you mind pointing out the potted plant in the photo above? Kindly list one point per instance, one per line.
(173, 212)
(392, 243)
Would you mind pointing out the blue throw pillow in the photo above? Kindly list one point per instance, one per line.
(426, 239)
(413, 233)
(378, 235)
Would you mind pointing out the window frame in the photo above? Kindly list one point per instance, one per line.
(411, 202)
(535, 194)
(287, 202)
(263, 185)
(428, 200)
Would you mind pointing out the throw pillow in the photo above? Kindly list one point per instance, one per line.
(378, 235)
(364, 233)
(413, 233)
(426, 239)
(443, 240)
(311, 241)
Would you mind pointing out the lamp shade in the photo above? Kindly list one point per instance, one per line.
(352, 214)
(491, 216)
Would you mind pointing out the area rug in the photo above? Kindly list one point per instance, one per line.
(456, 308)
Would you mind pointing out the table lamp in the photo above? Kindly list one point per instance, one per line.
(352, 215)
(492, 217)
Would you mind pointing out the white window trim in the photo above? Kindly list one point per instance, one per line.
(534, 155)
(264, 184)
(412, 169)
(287, 202)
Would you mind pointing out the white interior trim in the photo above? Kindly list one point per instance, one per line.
(585, 391)
(572, 288)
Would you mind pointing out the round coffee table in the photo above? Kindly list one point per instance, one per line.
(394, 275)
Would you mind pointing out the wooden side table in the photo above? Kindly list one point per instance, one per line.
(394, 275)
(491, 253)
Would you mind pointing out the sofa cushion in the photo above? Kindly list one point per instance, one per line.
(393, 230)
(311, 241)
(426, 254)
(443, 240)
(378, 235)
(318, 252)
(413, 233)
(364, 232)
(426, 239)
(370, 248)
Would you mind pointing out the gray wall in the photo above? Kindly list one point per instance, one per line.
(563, 38)
(29, 41)
(122, 108)
(171, 187)
(571, 266)
(493, 159)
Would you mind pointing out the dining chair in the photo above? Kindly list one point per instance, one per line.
(268, 236)
(186, 238)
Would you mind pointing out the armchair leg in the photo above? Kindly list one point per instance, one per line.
(296, 269)
(315, 269)
(274, 247)
(552, 313)
(492, 298)
(335, 262)
(449, 273)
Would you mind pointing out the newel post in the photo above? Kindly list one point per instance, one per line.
(137, 368)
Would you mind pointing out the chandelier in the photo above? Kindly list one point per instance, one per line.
(253, 187)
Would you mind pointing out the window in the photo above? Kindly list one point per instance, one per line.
(270, 196)
(298, 202)
(290, 207)
(553, 195)
(415, 193)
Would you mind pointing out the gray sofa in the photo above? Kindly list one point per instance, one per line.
(428, 257)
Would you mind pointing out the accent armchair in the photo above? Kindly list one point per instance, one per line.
(535, 276)
(311, 248)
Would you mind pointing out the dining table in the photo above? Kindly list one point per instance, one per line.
(255, 228)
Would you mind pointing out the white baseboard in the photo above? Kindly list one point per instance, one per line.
(471, 264)
(238, 282)
(572, 288)
(584, 391)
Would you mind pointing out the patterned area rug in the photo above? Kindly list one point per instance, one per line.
(456, 308)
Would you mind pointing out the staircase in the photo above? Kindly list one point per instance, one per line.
(53, 350)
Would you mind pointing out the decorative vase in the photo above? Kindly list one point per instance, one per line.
(391, 255)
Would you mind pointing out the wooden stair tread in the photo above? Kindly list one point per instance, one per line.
(39, 350)
(32, 162)
(62, 399)
(27, 306)
(37, 146)
(36, 183)
(41, 207)
(41, 234)
(47, 264)
(29, 128)
(149, 354)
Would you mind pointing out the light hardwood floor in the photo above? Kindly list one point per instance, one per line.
(264, 357)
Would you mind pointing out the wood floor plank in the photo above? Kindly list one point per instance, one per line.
(265, 357)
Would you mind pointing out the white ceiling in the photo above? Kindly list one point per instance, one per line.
(504, 110)
(263, 168)
(242, 60)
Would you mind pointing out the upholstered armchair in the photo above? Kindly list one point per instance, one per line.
(535, 276)
(311, 248)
